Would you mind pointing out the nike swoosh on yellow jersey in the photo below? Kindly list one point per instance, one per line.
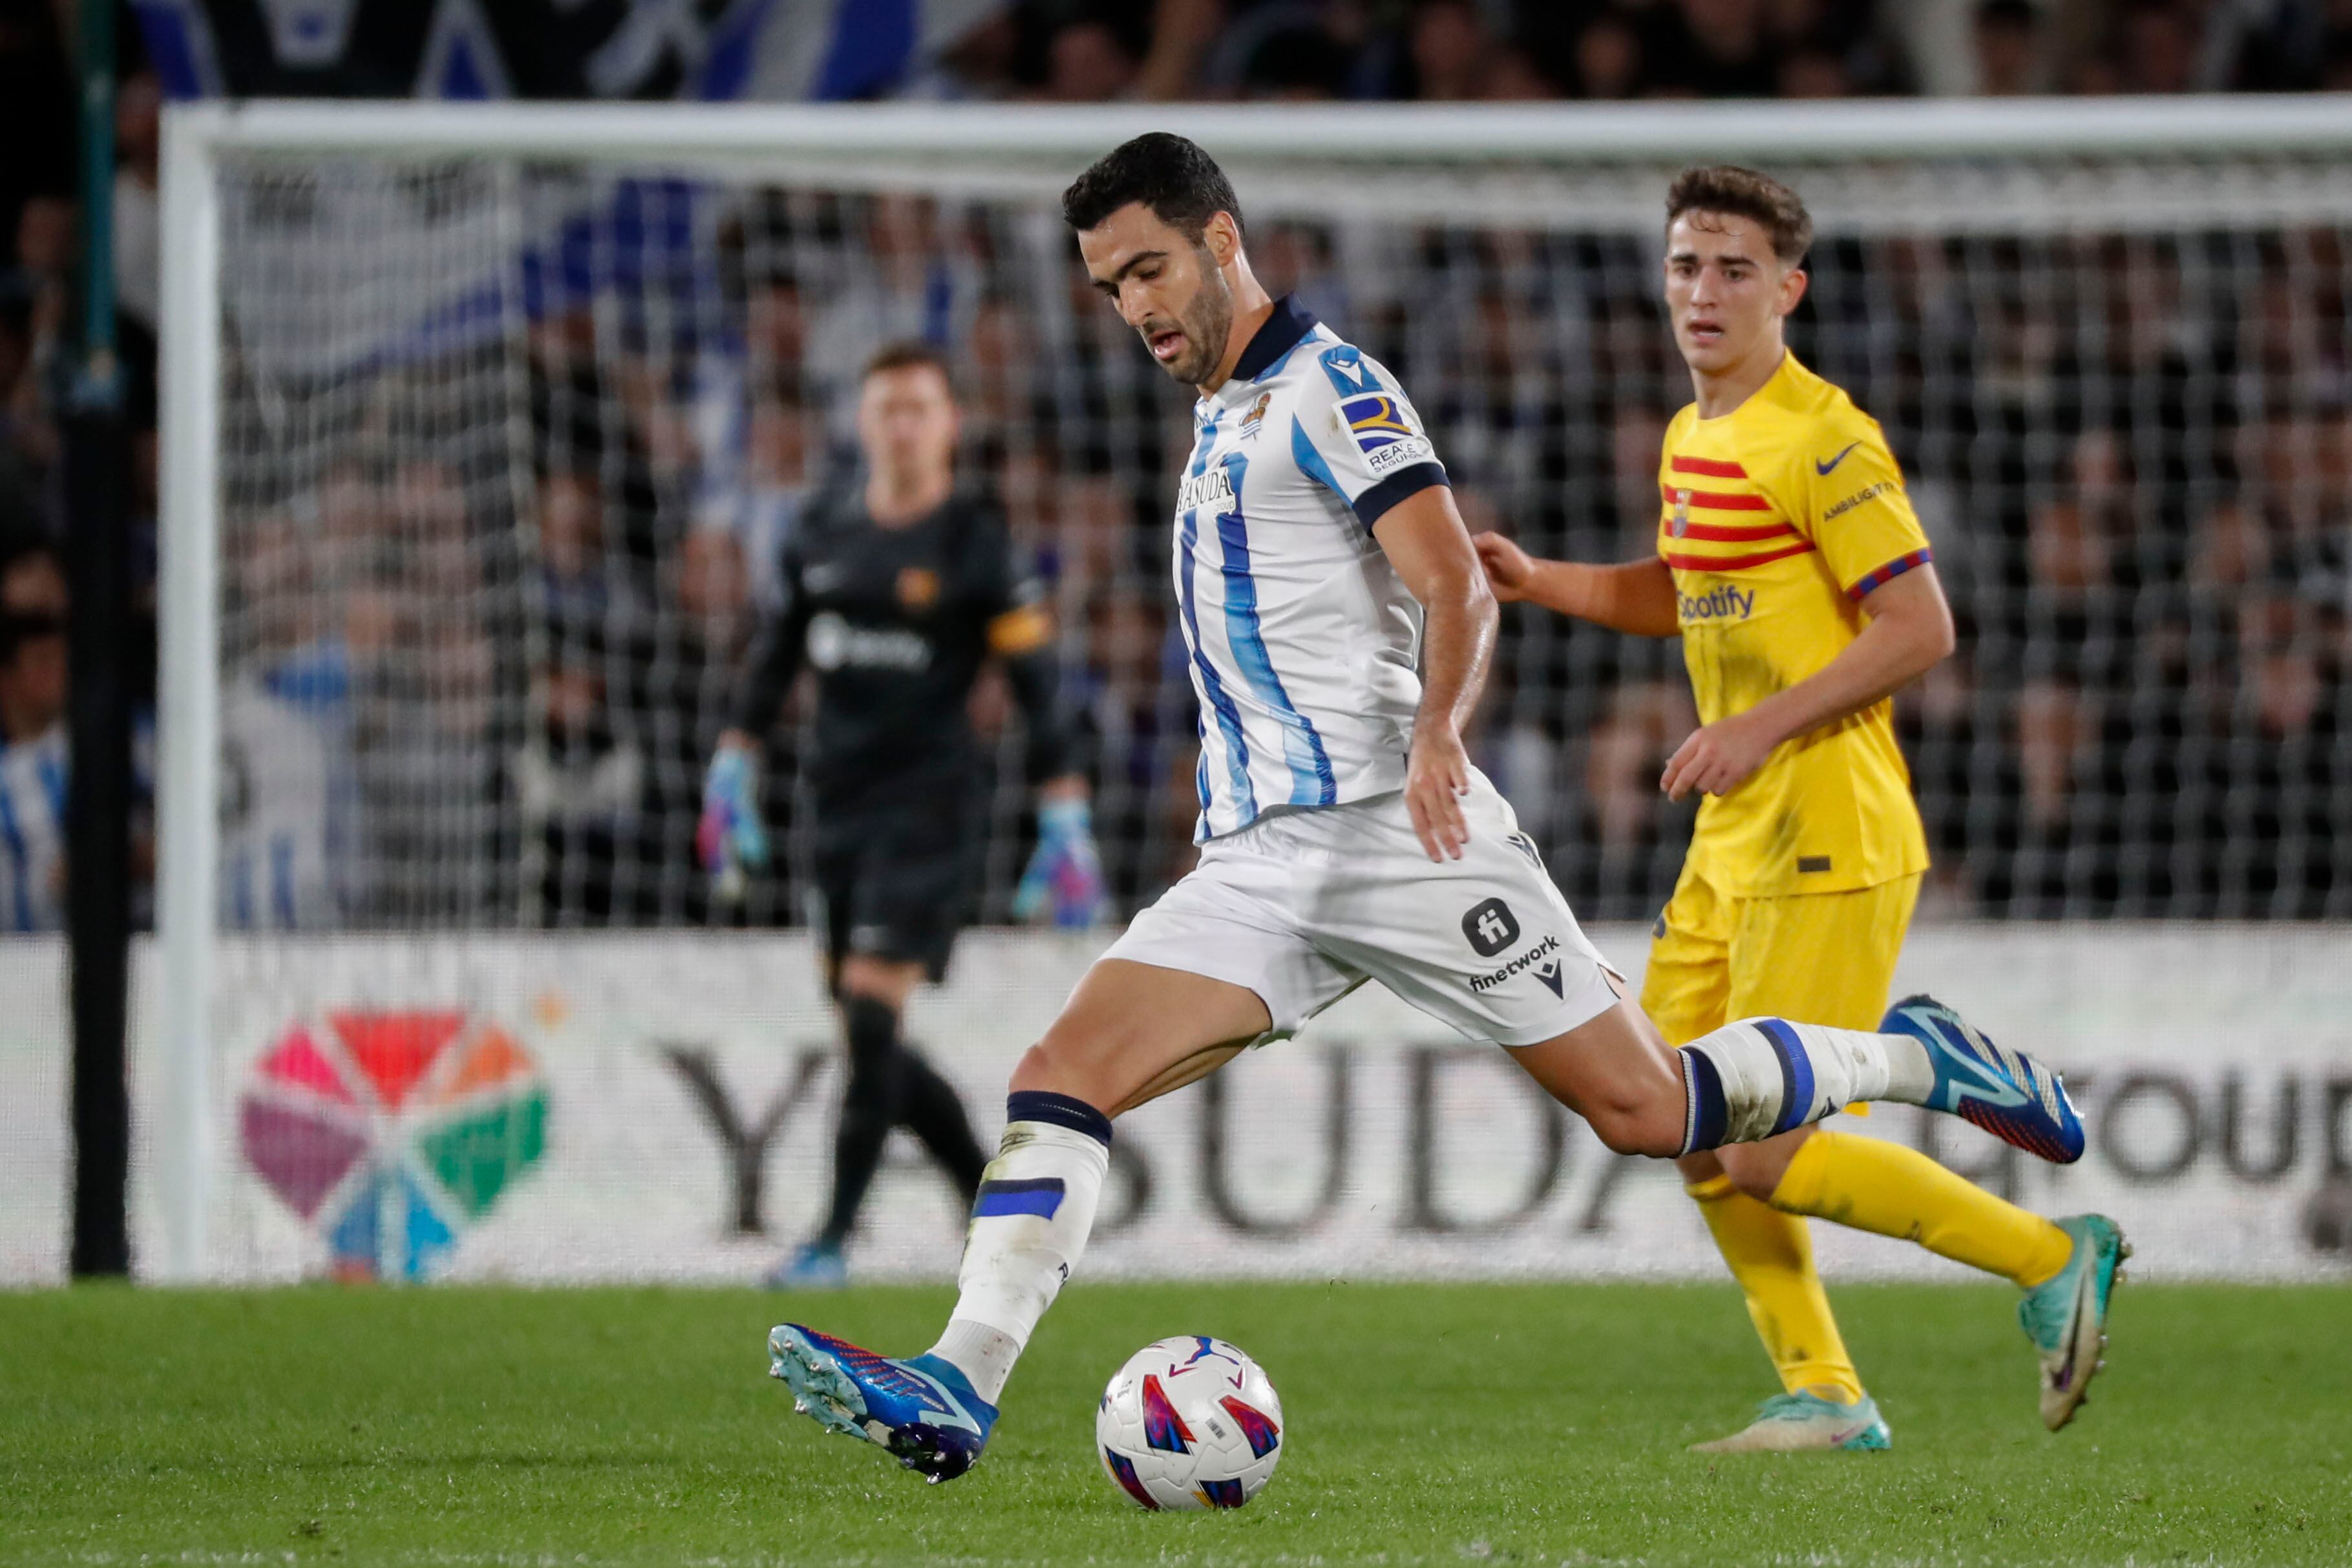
(1823, 468)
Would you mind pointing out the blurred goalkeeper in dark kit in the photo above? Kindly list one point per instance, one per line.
(897, 590)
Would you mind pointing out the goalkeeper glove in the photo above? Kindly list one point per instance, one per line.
(730, 837)
(1064, 877)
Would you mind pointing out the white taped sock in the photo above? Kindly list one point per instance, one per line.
(1773, 1075)
(1029, 1225)
(984, 1354)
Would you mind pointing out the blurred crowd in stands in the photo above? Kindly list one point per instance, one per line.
(1079, 51)
(2134, 456)
(485, 603)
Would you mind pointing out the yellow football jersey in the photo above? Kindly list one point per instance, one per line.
(1779, 518)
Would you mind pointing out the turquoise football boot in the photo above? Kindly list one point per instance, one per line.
(1791, 1423)
(2066, 1316)
(2008, 1093)
(923, 1411)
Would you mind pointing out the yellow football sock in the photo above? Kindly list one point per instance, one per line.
(1874, 1186)
(1771, 1255)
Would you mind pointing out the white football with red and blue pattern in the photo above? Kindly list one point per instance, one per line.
(1191, 1422)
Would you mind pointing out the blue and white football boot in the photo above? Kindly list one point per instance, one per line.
(2066, 1316)
(1793, 1423)
(2008, 1093)
(923, 1411)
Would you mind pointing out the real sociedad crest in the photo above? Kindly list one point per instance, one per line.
(1255, 417)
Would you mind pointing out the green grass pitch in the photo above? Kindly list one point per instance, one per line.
(1427, 1424)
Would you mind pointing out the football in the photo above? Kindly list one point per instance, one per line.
(1190, 1421)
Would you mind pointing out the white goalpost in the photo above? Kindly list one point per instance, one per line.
(476, 421)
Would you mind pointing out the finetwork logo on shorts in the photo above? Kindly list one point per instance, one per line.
(1548, 973)
(1490, 926)
(388, 1133)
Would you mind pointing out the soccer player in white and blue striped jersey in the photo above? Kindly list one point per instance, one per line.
(33, 832)
(1338, 627)
(33, 753)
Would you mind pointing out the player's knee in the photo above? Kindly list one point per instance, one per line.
(1057, 1064)
(1628, 1124)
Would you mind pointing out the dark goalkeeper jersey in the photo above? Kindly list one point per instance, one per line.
(896, 622)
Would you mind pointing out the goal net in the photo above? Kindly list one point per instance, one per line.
(486, 429)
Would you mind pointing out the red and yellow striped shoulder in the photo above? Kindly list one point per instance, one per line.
(1715, 518)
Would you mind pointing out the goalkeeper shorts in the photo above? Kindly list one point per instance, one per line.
(893, 883)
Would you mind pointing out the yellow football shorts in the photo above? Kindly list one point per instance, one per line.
(1819, 958)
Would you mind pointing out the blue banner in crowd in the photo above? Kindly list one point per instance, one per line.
(711, 50)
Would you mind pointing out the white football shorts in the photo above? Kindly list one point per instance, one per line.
(1302, 907)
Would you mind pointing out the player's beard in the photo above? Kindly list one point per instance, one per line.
(1206, 323)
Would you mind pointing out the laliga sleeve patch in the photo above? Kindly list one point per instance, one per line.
(1376, 420)
(1383, 431)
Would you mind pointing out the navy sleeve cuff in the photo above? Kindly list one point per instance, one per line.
(1403, 485)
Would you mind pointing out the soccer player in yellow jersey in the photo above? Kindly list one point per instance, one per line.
(1791, 562)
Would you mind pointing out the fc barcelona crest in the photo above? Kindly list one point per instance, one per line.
(1681, 512)
(918, 588)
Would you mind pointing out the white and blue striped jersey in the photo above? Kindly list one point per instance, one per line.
(33, 832)
(286, 801)
(33, 778)
(1302, 641)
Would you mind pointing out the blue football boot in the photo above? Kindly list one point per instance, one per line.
(923, 1411)
(2006, 1092)
(816, 1266)
(2066, 1316)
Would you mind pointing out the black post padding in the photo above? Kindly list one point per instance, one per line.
(101, 646)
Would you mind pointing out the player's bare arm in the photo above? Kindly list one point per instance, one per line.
(1428, 544)
(1637, 597)
(1908, 634)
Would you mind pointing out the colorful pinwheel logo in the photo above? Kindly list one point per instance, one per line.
(391, 1131)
